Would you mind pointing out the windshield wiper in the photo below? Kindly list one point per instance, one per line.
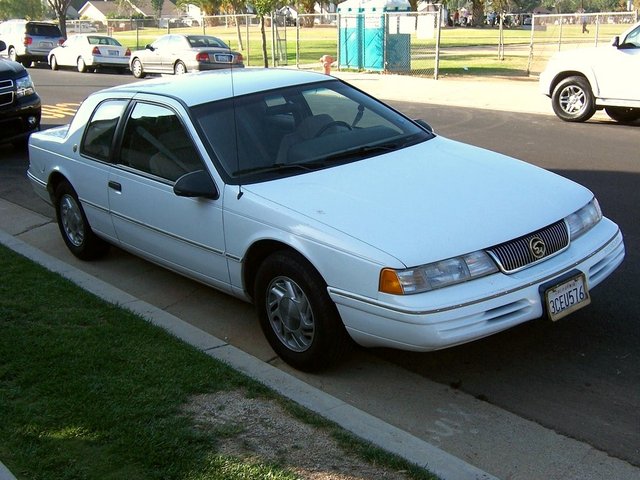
(355, 152)
(276, 167)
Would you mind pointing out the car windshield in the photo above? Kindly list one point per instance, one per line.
(299, 129)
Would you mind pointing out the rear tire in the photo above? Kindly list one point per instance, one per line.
(296, 314)
(74, 226)
(179, 68)
(623, 114)
(573, 101)
(53, 63)
(82, 67)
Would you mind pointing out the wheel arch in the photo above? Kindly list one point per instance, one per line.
(55, 179)
(257, 253)
(589, 77)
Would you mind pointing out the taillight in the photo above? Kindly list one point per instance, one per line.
(28, 40)
(127, 53)
(60, 41)
(238, 58)
(95, 51)
(202, 57)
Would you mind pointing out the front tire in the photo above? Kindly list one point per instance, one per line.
(74, 227)
(623, 114)
(53, 63)
(573, 101)
(297, 316)
(137, 69)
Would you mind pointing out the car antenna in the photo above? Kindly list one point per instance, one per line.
(235, 129)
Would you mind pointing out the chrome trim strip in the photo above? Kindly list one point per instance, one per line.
(35, 179)
(168, 234)
(393, 308)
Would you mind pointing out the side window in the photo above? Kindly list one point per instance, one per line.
(98, 137)
(156, 142)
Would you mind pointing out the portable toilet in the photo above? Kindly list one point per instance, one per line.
(364, 41)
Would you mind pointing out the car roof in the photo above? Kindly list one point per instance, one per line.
(198, 88)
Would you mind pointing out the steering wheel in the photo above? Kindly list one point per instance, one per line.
(334, 123)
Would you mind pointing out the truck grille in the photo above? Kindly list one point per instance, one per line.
(529, 249)
(6, 92)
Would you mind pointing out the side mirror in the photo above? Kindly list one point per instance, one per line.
(149, 47)
(615, 42)
(196, 184)
(3, 45)
(425, 125)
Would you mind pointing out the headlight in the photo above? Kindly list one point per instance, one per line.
(436, 275)
(584, 219)
(24, 87)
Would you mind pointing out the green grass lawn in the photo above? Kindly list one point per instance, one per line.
(91, 391)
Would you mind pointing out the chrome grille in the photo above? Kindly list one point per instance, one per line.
(517, 254)
(6, 84)
(6, 98)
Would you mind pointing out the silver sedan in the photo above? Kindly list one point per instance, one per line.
(178, 54)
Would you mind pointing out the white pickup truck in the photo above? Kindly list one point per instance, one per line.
(582, 81)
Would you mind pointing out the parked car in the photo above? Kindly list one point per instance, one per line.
(29, 41)
(581, 81)
(178, 54)
(20, 105)
(87, 52)
(336, 215)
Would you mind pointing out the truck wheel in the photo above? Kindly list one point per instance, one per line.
(623, 114)
(573, 101)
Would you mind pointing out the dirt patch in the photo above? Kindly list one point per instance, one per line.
(260, 430)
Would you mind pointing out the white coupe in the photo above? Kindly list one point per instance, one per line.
(337, 216)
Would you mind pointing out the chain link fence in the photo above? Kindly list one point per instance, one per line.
(410, 43)
(552, 33)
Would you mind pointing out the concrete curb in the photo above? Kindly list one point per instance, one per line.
(361, 424)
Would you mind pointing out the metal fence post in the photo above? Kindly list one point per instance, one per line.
(436, 69)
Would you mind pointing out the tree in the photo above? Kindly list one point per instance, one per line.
(21, 9)
(60, 9)
(262, 8)
(157, 8)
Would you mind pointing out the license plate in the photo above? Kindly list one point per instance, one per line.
(114, 53)
(567, 297)
(46, 44)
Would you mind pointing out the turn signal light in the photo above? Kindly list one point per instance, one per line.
(389, 282)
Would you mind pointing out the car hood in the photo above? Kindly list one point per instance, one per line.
(9, 69)
(431, 201)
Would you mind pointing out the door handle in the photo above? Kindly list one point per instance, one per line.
(115, 185)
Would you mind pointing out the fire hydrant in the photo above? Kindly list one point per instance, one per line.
(326, 61)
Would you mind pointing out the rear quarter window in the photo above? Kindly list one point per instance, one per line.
(98, 137)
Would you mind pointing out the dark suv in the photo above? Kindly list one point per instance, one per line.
(19, 103)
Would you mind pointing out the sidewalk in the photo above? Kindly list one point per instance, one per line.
(504, 94)
(453, 434)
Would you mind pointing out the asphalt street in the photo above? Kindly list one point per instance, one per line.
(578, 377)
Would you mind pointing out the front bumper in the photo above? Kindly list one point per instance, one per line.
(479, 308)
(20, 118)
